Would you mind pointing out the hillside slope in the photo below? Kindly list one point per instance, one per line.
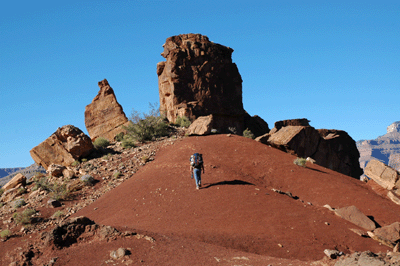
(236, 209)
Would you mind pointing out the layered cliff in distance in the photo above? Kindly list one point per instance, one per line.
(8, 171)
(385, 148)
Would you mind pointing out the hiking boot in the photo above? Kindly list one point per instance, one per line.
(197, 188)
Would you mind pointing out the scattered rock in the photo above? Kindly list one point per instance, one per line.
(119, 253)
(54, 203)
(333, 254)
(355, 216)
(56, 170)
(17, 181)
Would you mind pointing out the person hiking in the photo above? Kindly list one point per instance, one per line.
(196, 165)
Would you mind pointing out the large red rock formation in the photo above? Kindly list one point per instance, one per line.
(63, 147)
(199, 78)
(104, 117)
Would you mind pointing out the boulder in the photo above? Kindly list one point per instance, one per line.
(201, 126)
(389, 232)
(63, 147)
(17, 181)
(333, 149)
(290, 122)
(104, 117)
(198, 79)
(382, 174)
(355, 216)
(300, 140)
(56, 170)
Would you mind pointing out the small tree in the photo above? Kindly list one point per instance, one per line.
(146, 126)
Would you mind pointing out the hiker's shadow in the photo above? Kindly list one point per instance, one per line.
(231, 182)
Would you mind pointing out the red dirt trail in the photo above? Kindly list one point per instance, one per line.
(235, 218)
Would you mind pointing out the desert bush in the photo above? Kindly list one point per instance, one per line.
(128, 142)
(24, 217)
(5, 234)
(59, 191)
(232, 130)
(119, 137)
(1, 191)
(248, 134)
(75, 163)
(147, 126)
(18, 203)
(84, 160)
(300, 162)
(101, 142)
(88, 180)
(183, 121)
(57, 214)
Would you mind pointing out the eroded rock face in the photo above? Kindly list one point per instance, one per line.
(333, 149)
(104, 117)
(199, 78)
(63, 147)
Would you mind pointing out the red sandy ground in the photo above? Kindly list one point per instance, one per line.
(235, 218)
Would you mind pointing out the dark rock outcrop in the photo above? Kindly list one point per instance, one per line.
(198, 79)
(333, 149)
(104, 117)
(63, 147)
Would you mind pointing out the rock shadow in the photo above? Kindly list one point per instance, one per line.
(230, 182)
(373, 219)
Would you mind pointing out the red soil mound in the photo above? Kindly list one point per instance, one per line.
(236, 213)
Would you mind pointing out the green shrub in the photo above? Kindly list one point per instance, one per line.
(5, 234)
(248, 134)
(147, 126)
(128, 142)
(18, 203)
(101, 142)
(84, 160)
(119, 137)
(183, 121)
(57, 214)
(300, 162)
(59, 191)
(75, 163)
(88, 180)
(1, 191)
(24, 217)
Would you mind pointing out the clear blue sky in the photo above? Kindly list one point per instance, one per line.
(334, 62)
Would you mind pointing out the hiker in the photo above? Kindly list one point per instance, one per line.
(196, 164)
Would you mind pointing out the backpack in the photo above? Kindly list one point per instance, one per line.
(196, 160)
